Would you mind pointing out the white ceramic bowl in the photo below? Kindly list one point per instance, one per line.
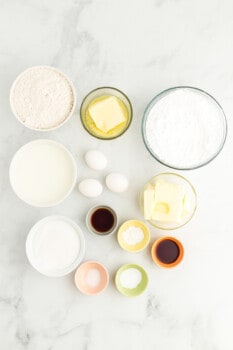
(12, 100)
(24, 172)
(30, 246)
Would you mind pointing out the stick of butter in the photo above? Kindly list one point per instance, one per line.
(169, 201)
(148, 200)
(107, 112)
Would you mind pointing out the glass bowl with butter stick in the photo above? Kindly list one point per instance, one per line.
(168, 201)
(106, 113)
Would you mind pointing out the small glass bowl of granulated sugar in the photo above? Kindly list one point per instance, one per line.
(184, 128)
(42, 98)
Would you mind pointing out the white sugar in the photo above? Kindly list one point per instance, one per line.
(185, 128)
(56, 245)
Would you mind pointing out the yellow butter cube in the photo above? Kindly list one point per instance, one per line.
(148, 201)
(169, 200)
(107, 113)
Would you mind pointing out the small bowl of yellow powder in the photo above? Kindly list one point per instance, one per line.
(106, 113)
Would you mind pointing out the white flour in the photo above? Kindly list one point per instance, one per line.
(185, 128)
(133, 235)
(42, 98)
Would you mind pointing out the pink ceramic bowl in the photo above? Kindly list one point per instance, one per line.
(91, 278)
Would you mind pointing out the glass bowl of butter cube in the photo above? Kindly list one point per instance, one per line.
(168, 201)
(106, 113)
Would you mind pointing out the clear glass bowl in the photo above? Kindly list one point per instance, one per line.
(89, 125)
(190, 202)
(163, 94)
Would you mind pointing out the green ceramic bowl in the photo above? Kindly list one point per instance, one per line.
(131, 292)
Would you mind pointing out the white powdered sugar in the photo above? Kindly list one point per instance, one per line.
(42, 98)
(185, 128)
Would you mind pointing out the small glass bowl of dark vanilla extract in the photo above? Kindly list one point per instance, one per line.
(101, 220)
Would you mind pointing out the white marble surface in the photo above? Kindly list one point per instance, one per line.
(141, 47)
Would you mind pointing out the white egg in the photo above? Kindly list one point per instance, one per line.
(96, 160)
(90, 188)
(117, 182)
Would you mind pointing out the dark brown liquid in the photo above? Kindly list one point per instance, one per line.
(167, 251)
(102, 220)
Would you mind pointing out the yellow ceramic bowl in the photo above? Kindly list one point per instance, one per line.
(138, 246)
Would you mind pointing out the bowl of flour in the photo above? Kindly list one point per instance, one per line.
(184, 128)
(42, 98)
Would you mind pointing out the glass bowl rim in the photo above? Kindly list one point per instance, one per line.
(194, 192)
(130, 108)
(153, 102)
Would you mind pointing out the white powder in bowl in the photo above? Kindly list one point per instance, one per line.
(185, 128)
(42, 98)
(93, 277)
(133, 235)
(55, 246)
(130, 278)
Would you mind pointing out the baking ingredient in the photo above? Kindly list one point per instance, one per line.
(96, 160)
(55, 246)
(169, 200)
(164, 201)
(107, 112)
(93, 277)
(185, 128)
(117, 182)
(90, 188)
(130, 278)
(133, 235)
(167, 251)
(43, 173)
(102, 220)
(42, 98)
(106, 109)
(149, 200)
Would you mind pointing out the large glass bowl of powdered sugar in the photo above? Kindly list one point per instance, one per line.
(184, 128)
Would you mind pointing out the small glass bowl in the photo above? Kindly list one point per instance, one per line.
(163, 94)
(89, 124)
(92, 229)
(191, 200)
